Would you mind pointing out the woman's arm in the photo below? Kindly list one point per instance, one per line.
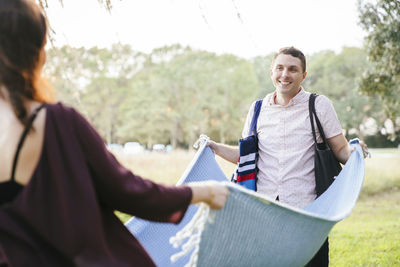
(118, 188)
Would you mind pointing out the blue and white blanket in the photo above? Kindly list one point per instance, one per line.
(253, 230)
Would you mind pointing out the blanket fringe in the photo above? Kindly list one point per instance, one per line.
(192, 231)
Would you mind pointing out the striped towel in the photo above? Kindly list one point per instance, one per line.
(246, 170)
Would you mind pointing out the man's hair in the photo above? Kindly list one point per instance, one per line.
(294, 52)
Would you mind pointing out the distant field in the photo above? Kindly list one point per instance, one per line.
(370, 236)
(382, 173)
(380, 151)
(165, 168)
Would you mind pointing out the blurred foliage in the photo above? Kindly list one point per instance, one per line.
(175, 93)
(106, 3)
(337, 76)
(381, 21)
(170, 96)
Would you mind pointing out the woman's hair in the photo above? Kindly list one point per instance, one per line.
(23, 31)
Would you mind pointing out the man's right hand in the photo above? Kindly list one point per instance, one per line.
(213, 145)
(229, 153)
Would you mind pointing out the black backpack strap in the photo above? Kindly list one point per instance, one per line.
(22, 139)
(313, 113)
(253, 125)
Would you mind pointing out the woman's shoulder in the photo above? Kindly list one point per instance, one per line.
(65, 114)
(60, 109)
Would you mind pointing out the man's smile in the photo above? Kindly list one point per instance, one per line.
(284, 83)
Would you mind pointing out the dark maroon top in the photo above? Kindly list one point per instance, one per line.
(65, 215)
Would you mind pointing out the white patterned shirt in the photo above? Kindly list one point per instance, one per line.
(286, 146)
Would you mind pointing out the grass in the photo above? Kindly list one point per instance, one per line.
(382, 172)
(370, 236)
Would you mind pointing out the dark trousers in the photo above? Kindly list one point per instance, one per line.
(321, 259)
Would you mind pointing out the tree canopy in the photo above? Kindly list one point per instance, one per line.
(381, 20)
(106, 3)
(175, 93)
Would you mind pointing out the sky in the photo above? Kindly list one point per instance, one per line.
(245, 28)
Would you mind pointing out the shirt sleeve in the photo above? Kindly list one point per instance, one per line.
(119, 189)
(328, 117)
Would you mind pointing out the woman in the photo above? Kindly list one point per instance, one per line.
(59, 186)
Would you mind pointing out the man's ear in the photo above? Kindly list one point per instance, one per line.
(304, 75)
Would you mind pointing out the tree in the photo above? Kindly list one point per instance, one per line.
(337, 76)
(262, 65)
(181, 93)
(106, 3)
(97, 82)
(382, 23)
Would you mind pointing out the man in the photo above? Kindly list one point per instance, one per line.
(285, 140)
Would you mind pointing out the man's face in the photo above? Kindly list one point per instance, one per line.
(287, 74)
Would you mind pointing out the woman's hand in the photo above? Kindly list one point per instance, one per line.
(212, 193)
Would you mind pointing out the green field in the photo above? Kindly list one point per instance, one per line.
(370, 236)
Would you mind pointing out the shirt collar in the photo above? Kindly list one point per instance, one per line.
(300, 97)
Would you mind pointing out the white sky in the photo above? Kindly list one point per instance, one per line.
(213, 25)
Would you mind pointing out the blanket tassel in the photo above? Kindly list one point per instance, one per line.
(192, 231)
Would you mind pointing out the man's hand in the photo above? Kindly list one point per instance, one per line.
(229, 153)
(213, 145)
(342, 150)
(364, 148)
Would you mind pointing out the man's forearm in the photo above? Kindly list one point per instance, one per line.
(229, 153)
(340, 148)
(344, 154)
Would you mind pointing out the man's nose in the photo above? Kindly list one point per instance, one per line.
(285, 72)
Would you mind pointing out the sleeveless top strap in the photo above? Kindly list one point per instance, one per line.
(22, 139)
